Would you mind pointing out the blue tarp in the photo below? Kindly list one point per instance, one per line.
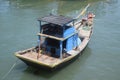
(69, 31)
(72, 42)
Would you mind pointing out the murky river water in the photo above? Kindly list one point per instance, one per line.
(19, 26)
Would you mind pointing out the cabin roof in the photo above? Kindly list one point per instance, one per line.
(59, 20)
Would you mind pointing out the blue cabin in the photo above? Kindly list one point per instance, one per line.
(57, 35)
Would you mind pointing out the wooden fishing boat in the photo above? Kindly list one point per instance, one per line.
(60, 40)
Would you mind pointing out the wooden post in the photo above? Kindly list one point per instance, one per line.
(61, 49)
(38, 47)
(39, 41)
(40, 26)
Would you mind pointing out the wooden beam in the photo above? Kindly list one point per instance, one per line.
(57, 38)
(49, 36)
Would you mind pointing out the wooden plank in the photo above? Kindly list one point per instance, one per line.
(49, 36)
(57, 38)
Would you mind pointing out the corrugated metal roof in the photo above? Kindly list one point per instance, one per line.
(59, 20)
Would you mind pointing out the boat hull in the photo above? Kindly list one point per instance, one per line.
(48, 62)
(48, 68)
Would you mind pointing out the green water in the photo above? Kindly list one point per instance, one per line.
(19, 26)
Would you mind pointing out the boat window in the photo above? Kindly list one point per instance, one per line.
(52, 29)
(52, 42)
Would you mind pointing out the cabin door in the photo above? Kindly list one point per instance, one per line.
(53, 51)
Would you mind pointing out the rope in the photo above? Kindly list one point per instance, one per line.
(9, 70)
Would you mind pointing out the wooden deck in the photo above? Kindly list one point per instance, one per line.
(45, 59)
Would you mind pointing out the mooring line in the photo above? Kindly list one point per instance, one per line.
(10, 70)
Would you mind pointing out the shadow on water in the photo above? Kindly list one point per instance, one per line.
(76, 65)
(40, 72)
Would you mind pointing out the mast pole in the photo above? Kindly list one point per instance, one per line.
(83, 11)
